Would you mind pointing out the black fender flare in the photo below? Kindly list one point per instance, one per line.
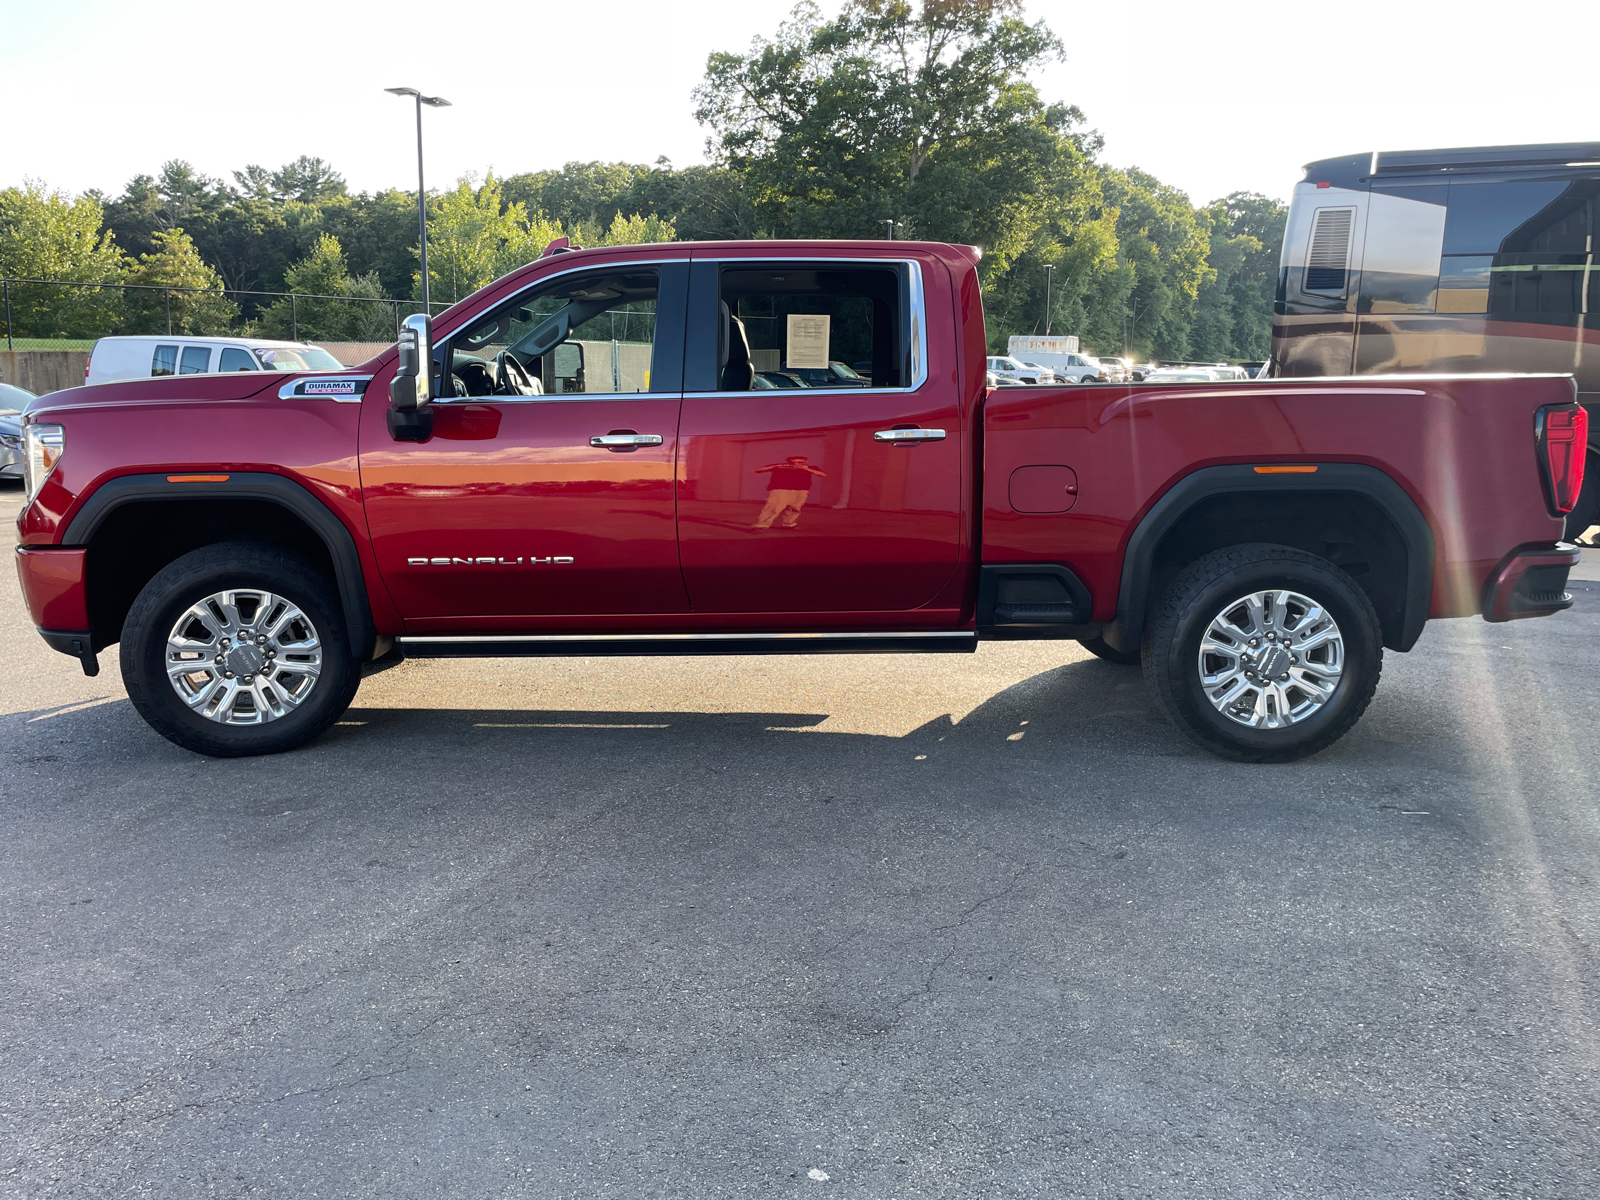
(246, 485)
(1133, 598)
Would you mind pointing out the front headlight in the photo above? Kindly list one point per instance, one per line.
(41, 451)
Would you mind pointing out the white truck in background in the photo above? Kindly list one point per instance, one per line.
(1060, 353)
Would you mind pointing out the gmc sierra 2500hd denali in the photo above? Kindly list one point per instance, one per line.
(611, 451)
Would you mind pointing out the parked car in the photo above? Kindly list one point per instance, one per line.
(1117, 370)
(996, 381)
(1046, 374)
(1005, 367)
(141, 357)
(834, 375)
(1181, 375)
(1254, 369)
(252, 540)
(13, 403)
(768, 380)
(1080, 368)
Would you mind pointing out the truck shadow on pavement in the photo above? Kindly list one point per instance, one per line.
(1085, 714)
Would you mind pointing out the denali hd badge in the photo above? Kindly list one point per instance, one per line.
(554, 560)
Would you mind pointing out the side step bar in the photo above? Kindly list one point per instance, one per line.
(565, 645)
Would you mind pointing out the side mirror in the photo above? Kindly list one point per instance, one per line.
(569, 360)
(566, 368)
(411, 390)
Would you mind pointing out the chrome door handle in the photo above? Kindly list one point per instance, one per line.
(628, 439)
(909, 435)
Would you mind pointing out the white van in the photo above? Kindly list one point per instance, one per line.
(142, 357)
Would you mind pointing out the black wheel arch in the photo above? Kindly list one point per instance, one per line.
(1394, 528)
(291, 504)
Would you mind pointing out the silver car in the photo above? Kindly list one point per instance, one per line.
(12, 401)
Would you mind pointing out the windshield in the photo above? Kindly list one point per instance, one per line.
(295, 358)
(844, 372)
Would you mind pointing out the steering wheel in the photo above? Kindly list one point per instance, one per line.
(512, 377)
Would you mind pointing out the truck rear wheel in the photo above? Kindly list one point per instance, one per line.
(1264, 653)
(237, 649)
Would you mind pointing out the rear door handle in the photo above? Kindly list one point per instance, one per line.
(908, 435)
(631, 439)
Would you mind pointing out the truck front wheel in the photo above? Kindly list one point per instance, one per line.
(236, 649)
(1264, 653)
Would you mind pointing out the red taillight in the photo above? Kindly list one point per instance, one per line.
(1563, 438)
(86, 369)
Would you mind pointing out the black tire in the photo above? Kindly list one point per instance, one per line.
(1198, 595)
(1098, 648)
(1587, 510)
(218, 568)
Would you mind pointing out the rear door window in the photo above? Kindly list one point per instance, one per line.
(165, 361)
(196, 360)
(812, 320)
(235, 359)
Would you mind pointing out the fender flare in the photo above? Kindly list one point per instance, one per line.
(1133, 598)
(246, 485)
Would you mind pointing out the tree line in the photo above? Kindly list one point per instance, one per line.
(923, 116)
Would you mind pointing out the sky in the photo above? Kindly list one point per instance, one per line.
(1211, 98)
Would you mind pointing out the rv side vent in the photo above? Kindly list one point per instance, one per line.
(1327, 266)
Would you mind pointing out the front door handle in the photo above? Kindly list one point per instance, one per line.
(630, 440)
(908, 435)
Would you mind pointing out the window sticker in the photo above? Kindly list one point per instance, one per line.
(808, 340)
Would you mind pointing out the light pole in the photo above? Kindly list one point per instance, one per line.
(889, 224)
(1048, 268)
(422, 194)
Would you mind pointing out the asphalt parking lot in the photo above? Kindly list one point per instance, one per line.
(864, 927)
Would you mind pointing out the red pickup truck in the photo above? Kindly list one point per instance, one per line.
(776, 447)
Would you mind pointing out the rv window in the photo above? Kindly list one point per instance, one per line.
(1486, 218)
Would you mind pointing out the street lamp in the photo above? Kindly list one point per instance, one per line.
(1048, 268)
(422, 195)
(889, 224)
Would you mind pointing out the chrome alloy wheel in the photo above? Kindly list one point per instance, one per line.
(243, 657)
(1271, 659)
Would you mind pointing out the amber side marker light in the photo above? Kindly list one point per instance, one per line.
(198, 478)
(1288, 469)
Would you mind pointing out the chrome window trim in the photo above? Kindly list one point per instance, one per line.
(542, 398)
(559, 398)
(287, 391)
(918, 306)
(441, 338)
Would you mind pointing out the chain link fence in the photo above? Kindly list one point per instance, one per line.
(48, 314)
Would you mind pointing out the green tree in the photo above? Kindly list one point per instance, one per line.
(636, 230)
(473, 240)
(134, 217)
(889, 111)
(330, 305)
(587, 195)
(1234, 318)
(48, 235)
(379, 236)
(176, 263)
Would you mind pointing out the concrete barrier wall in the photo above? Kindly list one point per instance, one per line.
(42, 371)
